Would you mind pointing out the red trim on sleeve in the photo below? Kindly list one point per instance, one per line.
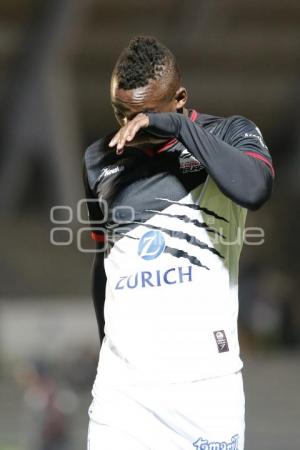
(262, 158)
(98, 237)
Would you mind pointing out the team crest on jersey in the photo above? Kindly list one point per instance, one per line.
(151, 245)
(188, 163)
(203, 444)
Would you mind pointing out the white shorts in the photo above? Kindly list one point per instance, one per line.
(203, 415)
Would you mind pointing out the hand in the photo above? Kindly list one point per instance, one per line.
(128, 132)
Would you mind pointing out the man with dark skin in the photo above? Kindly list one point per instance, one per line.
(167, 196)
(162, 95)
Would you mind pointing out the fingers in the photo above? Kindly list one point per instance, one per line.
(128, 132)
(114, 140)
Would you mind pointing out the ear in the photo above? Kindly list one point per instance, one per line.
(181, 97)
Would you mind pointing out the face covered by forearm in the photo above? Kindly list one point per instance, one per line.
(146, 140)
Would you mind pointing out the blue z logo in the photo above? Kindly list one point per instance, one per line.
(151, 245)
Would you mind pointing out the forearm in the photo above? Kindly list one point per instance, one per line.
(247, 181)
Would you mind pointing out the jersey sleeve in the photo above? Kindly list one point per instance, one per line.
(244, 178)
(244, 135)
(97, 233)
(95, 214)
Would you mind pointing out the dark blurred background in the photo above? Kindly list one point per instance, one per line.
(56, 58)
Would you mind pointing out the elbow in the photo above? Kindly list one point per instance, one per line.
(256, 204)
(262, 187)
(257, 197)
(259, 189)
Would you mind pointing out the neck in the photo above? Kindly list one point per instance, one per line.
(185, 111)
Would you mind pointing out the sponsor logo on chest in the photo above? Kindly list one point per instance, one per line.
(151, 246)
(109, 170)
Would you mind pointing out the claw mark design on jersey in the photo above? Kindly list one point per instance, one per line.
(182, 254)
(181, 235)
(172, 251)
(187, 219)
(194, 206)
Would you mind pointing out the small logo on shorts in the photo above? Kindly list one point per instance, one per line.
(203, 444)
(221, 341)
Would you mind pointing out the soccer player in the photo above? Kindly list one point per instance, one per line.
(167, 194)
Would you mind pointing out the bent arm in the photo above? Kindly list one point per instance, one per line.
(244, 179)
